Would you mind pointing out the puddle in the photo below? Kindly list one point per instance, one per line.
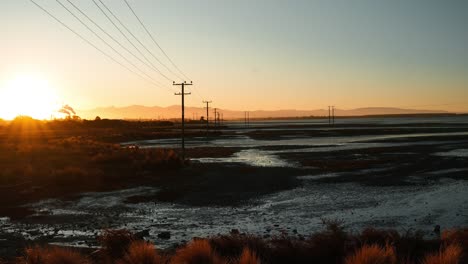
(461, 153)
(252, 157)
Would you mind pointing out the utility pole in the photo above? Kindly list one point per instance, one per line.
(183, 94)
(329, 115)
(245, 118)
(207, 113)
(215, 123)
(333, 114)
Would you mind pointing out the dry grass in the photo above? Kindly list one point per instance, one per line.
(248, 257)
(449, 255)
(141, 252)
(197, 252)
(115, 243)
(52, 255)
(373, 254)
(332, 246)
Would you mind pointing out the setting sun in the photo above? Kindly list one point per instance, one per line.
(29, 95)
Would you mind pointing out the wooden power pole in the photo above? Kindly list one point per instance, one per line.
(207, 114)
(183, 94)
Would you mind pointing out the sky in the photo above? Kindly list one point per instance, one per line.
(247, 54)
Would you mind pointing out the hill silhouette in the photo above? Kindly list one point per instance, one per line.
(171, 112)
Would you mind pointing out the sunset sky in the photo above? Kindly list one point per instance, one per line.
(246, 54)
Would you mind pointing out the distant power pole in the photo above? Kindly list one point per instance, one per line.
(183, 94)
(329, 115)
(245, 118)
(207, 113)
(333, 114)
(215, 117)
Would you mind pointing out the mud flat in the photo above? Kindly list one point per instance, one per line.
(269, 182)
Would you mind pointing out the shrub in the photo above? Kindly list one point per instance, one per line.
(141, 252)
(456, 236)
(196, 252)
(248, 257)
(115, 243)
(231, 246)
(373, 254)
(379, 237)
(52, 255)
(450, 255)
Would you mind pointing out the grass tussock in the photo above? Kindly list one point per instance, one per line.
(197, 252)
(449, 255)
(248, 257)
(141, 252)
(373, 254)
(52, 255)
(115, 243)
(331, 246)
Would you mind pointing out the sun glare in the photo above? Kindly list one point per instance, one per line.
(29, 95)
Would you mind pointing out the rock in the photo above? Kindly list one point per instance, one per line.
(164, 235)
(294, 231)
(142, 234)
(234, 231)
(266, 236)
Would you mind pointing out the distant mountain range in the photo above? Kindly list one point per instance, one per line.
(172, 112)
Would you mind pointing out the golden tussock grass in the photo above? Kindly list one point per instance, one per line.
(52, 255)
(197, 252)
(449, 255)
(141, 252)
(373, 254)
(248, 257)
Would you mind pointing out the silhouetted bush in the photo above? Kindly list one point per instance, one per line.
(115, 243)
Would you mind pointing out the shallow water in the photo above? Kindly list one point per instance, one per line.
(300, 209)
(443, 202)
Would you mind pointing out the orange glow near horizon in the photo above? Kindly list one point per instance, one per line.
(29, 95)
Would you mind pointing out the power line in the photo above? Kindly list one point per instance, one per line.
(154, 40)
(105, 42)
(160, 48)
(128, 30)
(91, 44)
(111, 37)
(125, 36)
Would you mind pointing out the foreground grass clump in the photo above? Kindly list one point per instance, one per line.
(114, 244)
(449, 255)
(197, 252)
(52, 255)
(248, 257)
(141, 252)
(331, 246)
(373, 254)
